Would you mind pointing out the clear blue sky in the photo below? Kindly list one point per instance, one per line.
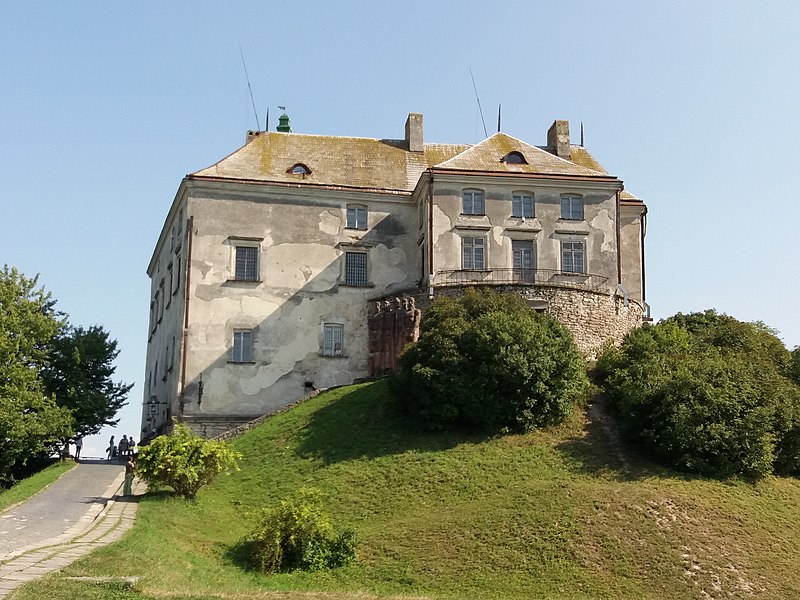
(106, 106)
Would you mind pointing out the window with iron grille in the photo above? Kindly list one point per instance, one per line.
(521, 205)
(355, 268)
(246, 263)
(242, 348)
(332, 339)
(356, 217)
(572, 257)
(572, 207)
(472, 202)
(473, 253)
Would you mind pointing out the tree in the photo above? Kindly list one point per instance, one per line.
(708, 393)
(78, 374)
(30, 421)
(184, 461)
(489, 362)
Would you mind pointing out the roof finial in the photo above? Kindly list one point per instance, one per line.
(582, 134)
(499, 106)
(283, 122)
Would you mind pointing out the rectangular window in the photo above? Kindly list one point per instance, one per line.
(522, 257)
(176, 275)
(332, 339)
(522, 205)
(356, 217)
(473, 253)
(246, 263)
(572, 207)
(355, 268)
(170, 284)
(242, 349)
(472, 202)
(572, 257)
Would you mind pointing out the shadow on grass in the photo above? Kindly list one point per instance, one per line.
(366, 423)
(601, 451)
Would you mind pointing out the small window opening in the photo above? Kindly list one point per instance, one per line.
(514, 158)
(299, 169)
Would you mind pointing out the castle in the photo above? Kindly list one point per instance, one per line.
(301, 262)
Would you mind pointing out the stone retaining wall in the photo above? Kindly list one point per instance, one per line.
(593, 317)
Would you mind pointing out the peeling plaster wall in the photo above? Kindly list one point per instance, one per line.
(546, 229)
(302, 238)
(631, 250)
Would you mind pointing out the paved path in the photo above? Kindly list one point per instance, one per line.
(78, 513)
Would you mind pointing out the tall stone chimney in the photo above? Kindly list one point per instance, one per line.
(558, 139)
(414, 132)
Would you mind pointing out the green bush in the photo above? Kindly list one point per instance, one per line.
(298, 535)
(708, 394)
(488, 362)
(184, 461)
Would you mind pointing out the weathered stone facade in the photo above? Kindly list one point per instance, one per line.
(267, 269)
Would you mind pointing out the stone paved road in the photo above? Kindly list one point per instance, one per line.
(74, 516)
(80, 493)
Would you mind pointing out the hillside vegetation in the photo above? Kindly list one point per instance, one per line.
(559, 513)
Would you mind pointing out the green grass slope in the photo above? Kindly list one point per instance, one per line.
(561, 513)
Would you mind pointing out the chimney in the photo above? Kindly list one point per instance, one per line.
(414, 132)
(558, 139)
(251, 135)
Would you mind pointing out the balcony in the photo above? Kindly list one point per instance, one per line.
(462, 277)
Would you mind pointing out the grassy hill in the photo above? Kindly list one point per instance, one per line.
(562, 513)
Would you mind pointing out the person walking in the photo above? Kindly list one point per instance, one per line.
(129, 470)
(112, 448)
(78, 446)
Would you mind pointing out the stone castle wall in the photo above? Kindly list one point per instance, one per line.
(593, 317)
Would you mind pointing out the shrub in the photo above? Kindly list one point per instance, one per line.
(298, 535)
(708, 394)
(184, 461)
(489, 362)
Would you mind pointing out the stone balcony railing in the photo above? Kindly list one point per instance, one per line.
(461, 277)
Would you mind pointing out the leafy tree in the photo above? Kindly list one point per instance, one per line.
(184, 461)
(78, 374)
(708, 394)
(297, 534)
(489, 362)
(30, 422)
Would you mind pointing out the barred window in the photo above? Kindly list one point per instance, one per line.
(332, 339)
(242, 349)
(246, 263)
(473, 253)
(572, 257)
(355, 268)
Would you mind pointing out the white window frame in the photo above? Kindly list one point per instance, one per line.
(569, 252)
(473, 248)
(518, 202)
(473, 202)
(242, 346)
(357, 216)
(332, 339)
(351, 270)
(572, 207)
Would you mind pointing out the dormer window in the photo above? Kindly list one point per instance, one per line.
(514, 158)
(299, 169)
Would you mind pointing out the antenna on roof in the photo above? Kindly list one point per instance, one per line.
(485, 133)
(582, 134)
(499, 106)
(266, 123)
(250, 89)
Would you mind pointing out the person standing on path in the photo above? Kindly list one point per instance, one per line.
(112, 448)
(78, 446)
(129, 469)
